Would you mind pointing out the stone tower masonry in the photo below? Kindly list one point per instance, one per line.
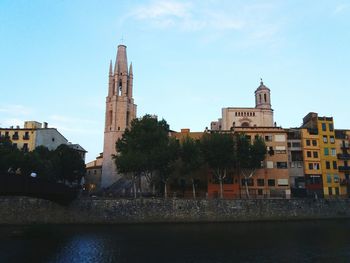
(120, 111)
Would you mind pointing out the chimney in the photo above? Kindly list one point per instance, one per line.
(45, 125)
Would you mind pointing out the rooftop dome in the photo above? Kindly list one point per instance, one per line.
(262, 86)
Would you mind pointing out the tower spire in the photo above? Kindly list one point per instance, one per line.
(110, 68)
(122, 60)
(130, 69)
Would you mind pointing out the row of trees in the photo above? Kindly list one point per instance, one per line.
(62, 164)
(147, 151)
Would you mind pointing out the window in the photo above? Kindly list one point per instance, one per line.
(324, 127)
(269, 164)
(329, 179)
(333, 152)
(308, 154)
(325, 139)
(271, 182)
(336, 190)
(261, 182)
(328, 165)
(15, 145)
(315, 154)
(335, 166)
(330, 191)
(268, 138)
(282, 182)
(316, 166)
(311, 166)
(331, 139)
(296, 144)
(250, 182)
(330, 126)
(280, 149)
(314, 143)
(308, 142)
(15, 136)
(282, 165)
(280, 138)
(336, 178)
(260, 191)
(326, 151)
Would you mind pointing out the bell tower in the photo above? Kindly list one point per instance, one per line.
(120, 111)
(262, 97)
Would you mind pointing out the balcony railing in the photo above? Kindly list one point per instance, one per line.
(15, 137)
(343, 156)
(344, 182)
(25, 137)
(344, 168)
(344, 145)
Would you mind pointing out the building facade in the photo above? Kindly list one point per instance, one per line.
(120, 111)
(93, 176)
(34, 134)
(260, 116)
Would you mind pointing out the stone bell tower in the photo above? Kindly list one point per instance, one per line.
(120, 111)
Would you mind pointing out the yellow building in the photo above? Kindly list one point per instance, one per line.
(35, 134)
(320, 154)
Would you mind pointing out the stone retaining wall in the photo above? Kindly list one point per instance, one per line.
(23, 210)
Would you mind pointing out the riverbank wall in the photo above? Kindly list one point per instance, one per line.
(24, 210)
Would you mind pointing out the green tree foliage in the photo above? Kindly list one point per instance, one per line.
(191, 159)
(67, 164)
(64, 163)
(146, 150)
(249, 156)
(10, 156)
(218, 152)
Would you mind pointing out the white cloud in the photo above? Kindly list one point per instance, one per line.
(185, 16)
(162, 9)
(7, 123)
(341, 8)
(255, 22)
(74, 125)
(15, 109)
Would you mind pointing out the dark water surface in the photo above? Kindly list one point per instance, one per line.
(307, 241)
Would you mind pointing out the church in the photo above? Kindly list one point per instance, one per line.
(260, 116)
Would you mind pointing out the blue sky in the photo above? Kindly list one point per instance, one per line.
(190, 59)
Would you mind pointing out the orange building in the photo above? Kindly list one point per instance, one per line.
(272, 180)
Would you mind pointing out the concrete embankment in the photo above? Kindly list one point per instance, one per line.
(24, 210)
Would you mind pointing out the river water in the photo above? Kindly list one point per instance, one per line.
(303, 241)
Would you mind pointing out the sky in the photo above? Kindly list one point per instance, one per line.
(190, 59)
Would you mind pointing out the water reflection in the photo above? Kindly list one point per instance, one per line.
(320, 241)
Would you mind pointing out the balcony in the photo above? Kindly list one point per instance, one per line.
(344, 145)
(25, 137)
(344, 168)
(343, 156)
(344, 182)
(15, 137)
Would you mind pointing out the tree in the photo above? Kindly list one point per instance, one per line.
(68, 164)
(218, 152)
(165, 157)
(191, 159)
(249, 156)
(10, 156)
(145, 150)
